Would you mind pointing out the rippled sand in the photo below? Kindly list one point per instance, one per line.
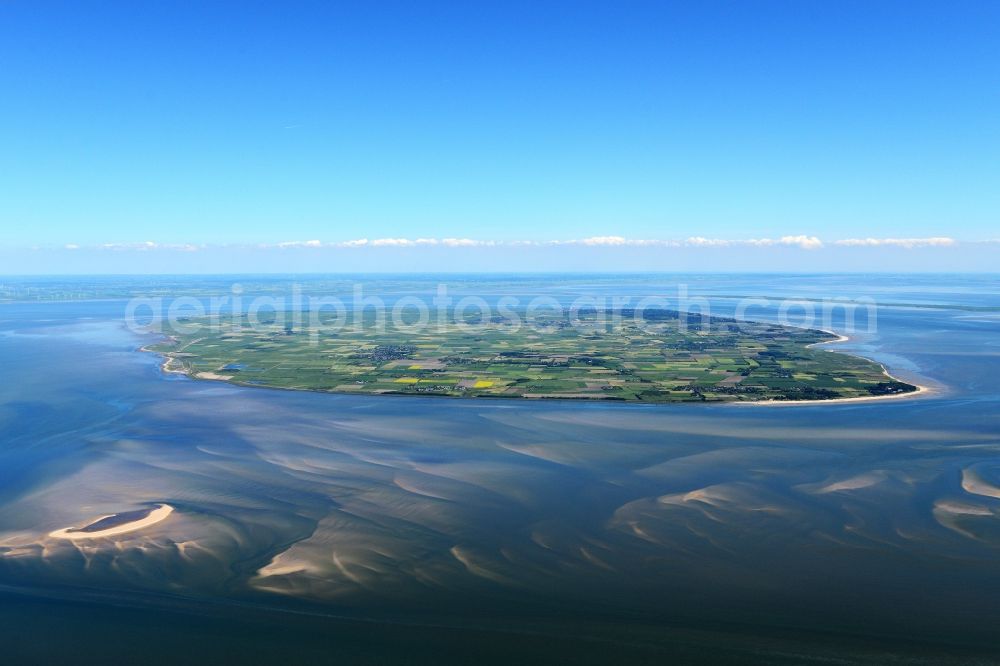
(846, 513)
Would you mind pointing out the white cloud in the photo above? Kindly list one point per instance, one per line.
(604, 240)
(143, 246)
(146, 245)
(308, 243)
(805, 242)
(415, 242)
(465, 242)
(802, 241)
(701, 241)
(393, 242)
(908, 243)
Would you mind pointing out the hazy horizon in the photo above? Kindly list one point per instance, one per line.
(733, 258)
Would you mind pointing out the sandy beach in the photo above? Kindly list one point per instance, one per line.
(157, 515)
(921, 389)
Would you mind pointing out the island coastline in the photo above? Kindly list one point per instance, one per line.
(921, 390)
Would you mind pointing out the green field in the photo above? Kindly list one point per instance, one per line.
(596, 356)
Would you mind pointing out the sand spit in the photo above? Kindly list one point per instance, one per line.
(159, 513)
(921, 390)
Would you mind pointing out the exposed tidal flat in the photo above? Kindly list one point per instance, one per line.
(860, 532)
(116, 523)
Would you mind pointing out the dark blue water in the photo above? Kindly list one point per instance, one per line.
(375, 529)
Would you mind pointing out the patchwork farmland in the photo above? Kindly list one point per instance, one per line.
(664, 357)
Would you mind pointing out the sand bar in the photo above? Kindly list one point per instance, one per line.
(153, 516)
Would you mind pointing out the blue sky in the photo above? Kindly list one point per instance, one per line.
(135, 133)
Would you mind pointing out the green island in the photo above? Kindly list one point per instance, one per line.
(595, 355)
